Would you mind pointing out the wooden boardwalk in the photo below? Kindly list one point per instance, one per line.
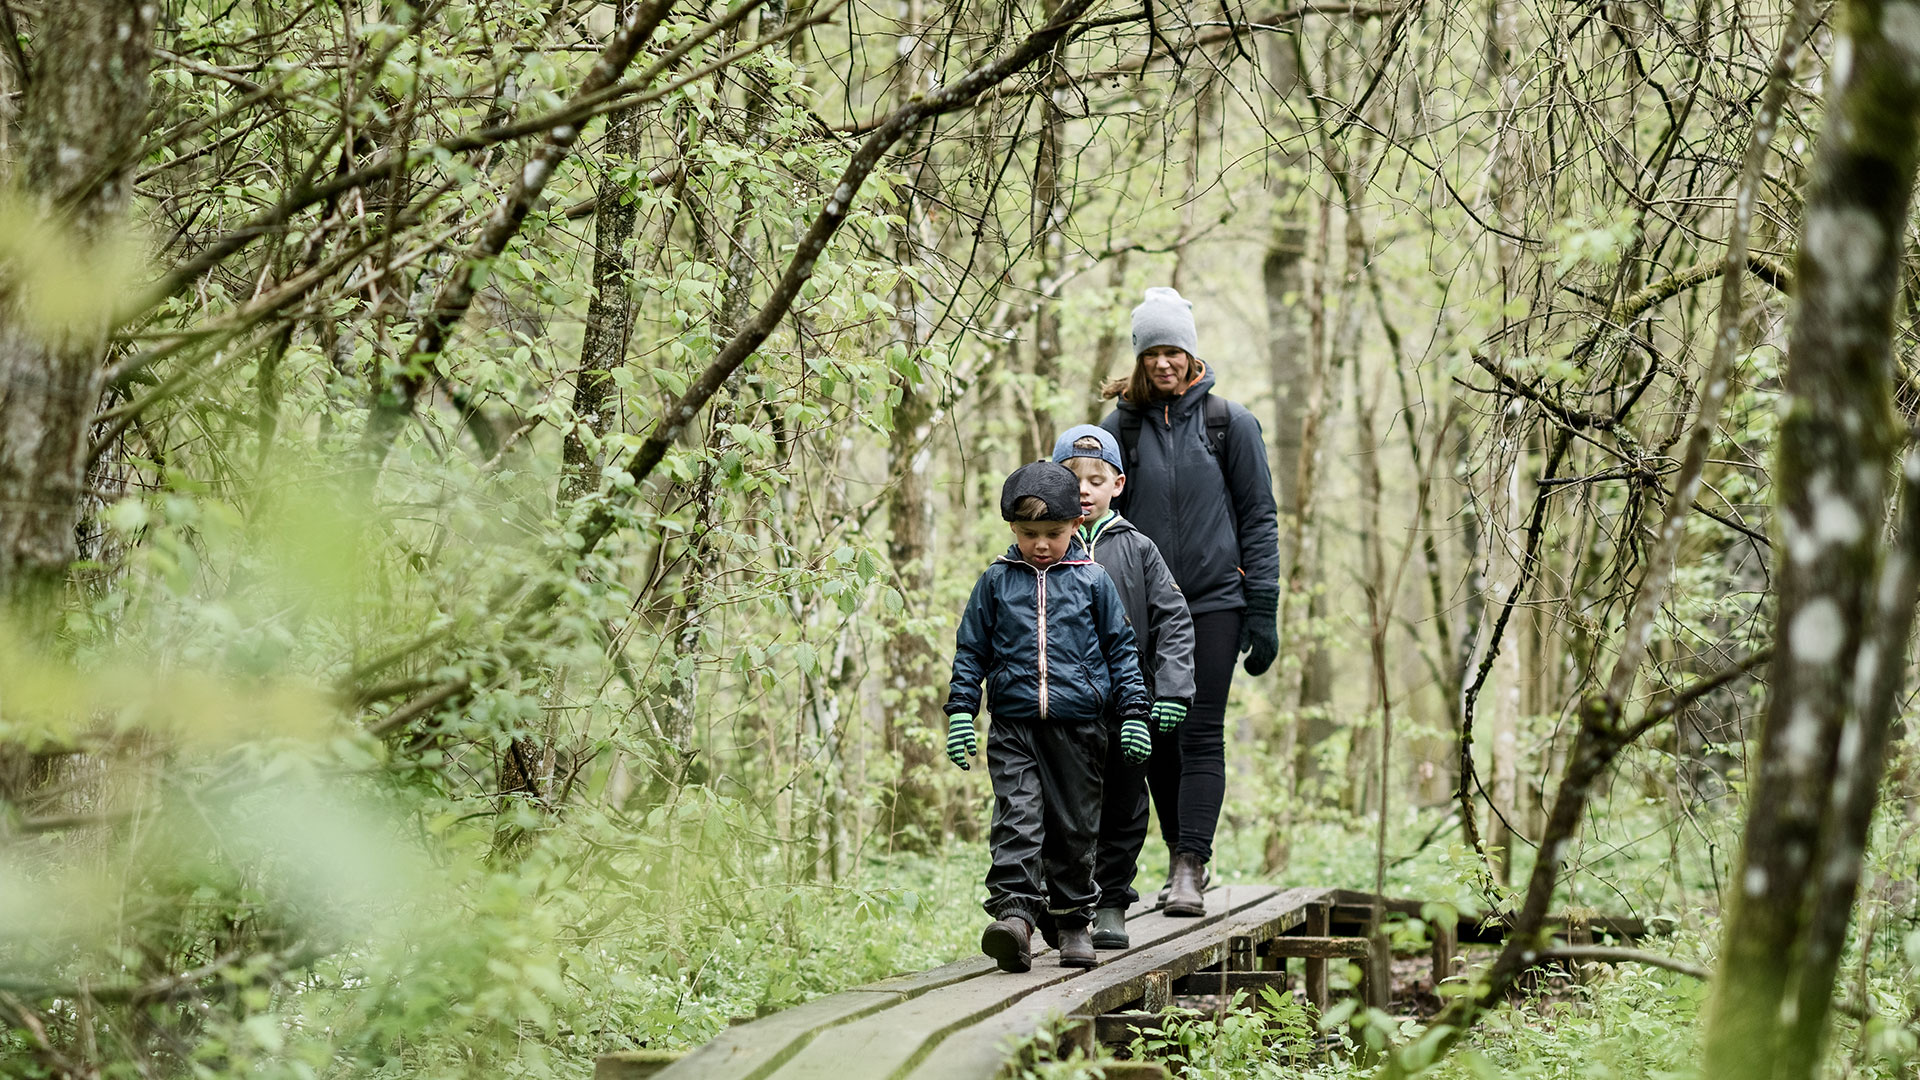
(961, 1021)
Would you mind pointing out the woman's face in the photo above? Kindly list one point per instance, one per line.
(1167, 368)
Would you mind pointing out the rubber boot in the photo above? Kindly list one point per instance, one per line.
(1183, 892)
(1049, 933)
(1110, 928)
(1008, 940)
(1076, 947)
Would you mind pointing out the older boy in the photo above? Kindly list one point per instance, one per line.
(1047, 633)
(1158, 612)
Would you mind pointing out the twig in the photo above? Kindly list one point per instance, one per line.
(1603, 954)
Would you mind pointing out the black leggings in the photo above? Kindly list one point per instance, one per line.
(1188, 770)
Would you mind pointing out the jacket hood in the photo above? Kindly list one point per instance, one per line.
(1188, 398)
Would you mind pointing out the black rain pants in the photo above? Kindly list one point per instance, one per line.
(1123, 824)
(1046, 817)
(1188, 770)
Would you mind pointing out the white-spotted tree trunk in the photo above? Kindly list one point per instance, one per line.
(1844, 606)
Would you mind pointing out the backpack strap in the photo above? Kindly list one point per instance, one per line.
(1130, 437)
(1219, 418)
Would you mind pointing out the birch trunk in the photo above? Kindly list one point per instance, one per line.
(1817, 769)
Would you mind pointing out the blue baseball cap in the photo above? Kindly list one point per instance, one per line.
(1109, 451)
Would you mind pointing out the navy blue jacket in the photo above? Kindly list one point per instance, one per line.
(1215, 522)
(1050, 643)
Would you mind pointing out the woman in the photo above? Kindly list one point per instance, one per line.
(1198, 486)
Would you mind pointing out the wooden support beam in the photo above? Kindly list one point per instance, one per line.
(1121, 1028)
(1445, 947)
(1134, 1070)
(1378, 983)
(1240, 953)
(1156, 992)
(1319, 919)
(1321, 948)
(1210, 982)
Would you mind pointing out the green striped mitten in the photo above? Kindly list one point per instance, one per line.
(962, 743)
(1135, 743)
(1168, 714)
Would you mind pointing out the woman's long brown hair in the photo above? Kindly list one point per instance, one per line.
(1137, 387)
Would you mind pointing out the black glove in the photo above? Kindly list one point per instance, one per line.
(1260, 627)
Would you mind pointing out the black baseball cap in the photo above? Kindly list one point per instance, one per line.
(1048, 481)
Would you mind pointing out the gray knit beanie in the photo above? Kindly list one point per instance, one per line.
(1165, 318)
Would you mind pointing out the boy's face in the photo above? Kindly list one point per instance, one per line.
(1099, 484)
(1043, 543)
(1167, 369)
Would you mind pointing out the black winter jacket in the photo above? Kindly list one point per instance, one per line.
(1050, 643)
(1155, 607)
(1215, 521)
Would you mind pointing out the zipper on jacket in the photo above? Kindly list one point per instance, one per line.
(1041, 622)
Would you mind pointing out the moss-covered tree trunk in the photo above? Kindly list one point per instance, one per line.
(1773, 991)
(80, 127)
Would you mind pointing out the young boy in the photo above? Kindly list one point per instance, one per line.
(1047, 633)
(1158, 611)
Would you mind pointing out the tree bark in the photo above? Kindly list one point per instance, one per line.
(915, 723)
(609, 317)
(1817, 770)
(81, 123)
(1049, 227)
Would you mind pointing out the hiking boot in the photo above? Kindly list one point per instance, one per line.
(1110, 928)
(1076, 947)
(1008, 940)
(1183, 891)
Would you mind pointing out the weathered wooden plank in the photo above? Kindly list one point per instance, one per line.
(633, 1064)
(885, 1045)
(1121, 1028)
(1320, 948)
(915, 983)
(977, 1051)
(1134, 1070)
(751, 1051)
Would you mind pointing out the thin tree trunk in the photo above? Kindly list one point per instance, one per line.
(1049, 226)
(82, 119)
(915, 724)
(603, 346)
(1107, 349)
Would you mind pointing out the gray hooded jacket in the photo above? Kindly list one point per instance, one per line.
(1154, 604)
